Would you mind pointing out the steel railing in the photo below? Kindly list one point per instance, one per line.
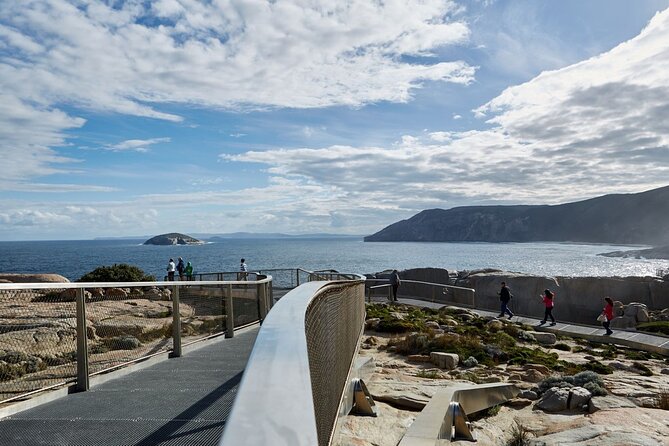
(293, 389)
(427, 291)
(55, 334)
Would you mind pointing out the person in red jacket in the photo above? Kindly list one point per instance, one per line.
(549, 304)
(608, 314)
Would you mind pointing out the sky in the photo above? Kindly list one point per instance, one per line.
(121, 118)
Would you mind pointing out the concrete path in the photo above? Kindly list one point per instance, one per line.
(179, 401)
(632, 339)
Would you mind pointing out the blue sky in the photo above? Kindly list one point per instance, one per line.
(129, 117)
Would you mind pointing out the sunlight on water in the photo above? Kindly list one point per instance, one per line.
(74, 258)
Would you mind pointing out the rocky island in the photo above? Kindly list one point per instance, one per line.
(173, 238)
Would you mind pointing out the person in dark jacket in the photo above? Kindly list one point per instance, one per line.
(504, 298)
(181, 268)
(395, 282)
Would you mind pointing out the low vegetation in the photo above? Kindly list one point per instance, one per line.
(661, 327)
(662, 400)
(520, 435)
(121, 272)
(588, 380)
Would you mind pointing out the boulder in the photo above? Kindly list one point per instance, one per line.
(624, 322)
(447, 361)
(608, 402)
(579, 398)
(372, 323)
(528, 395)
(33, 278)
(470, 362)
(543, 337)
(419, 358)
(637, 311)
(554, 400)
(532, 376)
(432, 325)
(518, 403)
(618, 308)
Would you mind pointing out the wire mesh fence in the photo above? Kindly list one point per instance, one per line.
(121, 323)
(37, 340)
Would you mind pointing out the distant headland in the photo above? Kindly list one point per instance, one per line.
(641, 218)
(173, 238)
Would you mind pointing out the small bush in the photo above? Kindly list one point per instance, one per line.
(595, 389)
(598, 367)
(637, 355)
(582, 378)
(609, 352)
(562, 346)
(654, 327)
(643, 369)
(520, 435)
(121, 272)
(430, 374)
(503, 340)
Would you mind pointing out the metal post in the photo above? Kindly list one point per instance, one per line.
(176, 324)
(262, 301)
(82, 342)
(297, 276)
(229, 315)
(271, 294)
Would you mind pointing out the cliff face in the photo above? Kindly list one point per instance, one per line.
(641, 218)
(173, 238)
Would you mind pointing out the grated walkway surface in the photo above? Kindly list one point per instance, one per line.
(180, 401)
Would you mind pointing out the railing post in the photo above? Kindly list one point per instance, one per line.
(271, 294)
(262, 300)
(176, 324)
(297, 277)
(229, 315)
(82, 342)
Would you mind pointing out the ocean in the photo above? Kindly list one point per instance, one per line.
(72, 259)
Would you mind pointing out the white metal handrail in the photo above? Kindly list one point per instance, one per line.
(275, 402)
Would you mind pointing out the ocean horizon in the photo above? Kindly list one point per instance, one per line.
(73, 258)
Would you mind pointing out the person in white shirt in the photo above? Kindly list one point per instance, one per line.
(171, 267)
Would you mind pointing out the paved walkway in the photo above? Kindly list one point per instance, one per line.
(632, 339)
(180, 401)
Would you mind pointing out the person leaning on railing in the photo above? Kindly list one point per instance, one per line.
(395, 282)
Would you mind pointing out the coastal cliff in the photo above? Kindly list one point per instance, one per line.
(641, 218)
(173, 238)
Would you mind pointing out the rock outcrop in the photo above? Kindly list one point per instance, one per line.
(173, 238)
(32, 278)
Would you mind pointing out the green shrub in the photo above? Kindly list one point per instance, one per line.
(595, 389)
(503, 340)
(430, 374)
(609, 352)
(117, 273)
(598, 367)
(562, 346)
(582, 378)
(396, 326)
(643, 369)
(654, 327)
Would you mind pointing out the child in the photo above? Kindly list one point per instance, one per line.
(548, 302)
(608, 316)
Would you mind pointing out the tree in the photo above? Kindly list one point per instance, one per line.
(117, 273)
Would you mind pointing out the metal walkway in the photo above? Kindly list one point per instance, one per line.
(180, 401)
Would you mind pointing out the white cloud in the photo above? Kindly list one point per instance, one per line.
(595, 127)
(131, 57)
(135, 145)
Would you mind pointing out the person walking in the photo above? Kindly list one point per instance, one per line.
(504, 298)
(395, 283)
(189, 271)
(607, 313)
(171, 267)
(243, 270)
(549, 303)
(181, 268)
